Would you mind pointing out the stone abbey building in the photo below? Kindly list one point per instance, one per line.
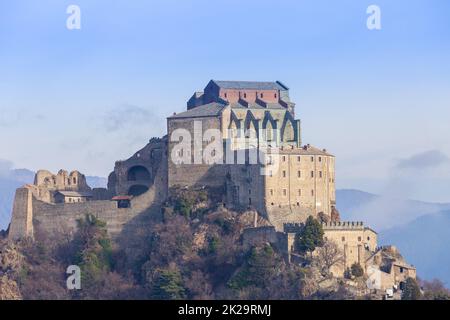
(302, 183)
(250, 117)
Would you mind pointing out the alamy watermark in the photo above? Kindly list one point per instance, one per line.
(73, 281)
(73, 22)
(374, 19)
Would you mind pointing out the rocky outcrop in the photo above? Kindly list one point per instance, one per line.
(9, 289)
(10, 258)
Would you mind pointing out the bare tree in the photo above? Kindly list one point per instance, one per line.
(329, 255)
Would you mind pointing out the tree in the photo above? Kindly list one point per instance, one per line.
(93, 252)
(335, 216)
(357, 270)
(258, 270)
(329, 255)
(435, 290)
(310, 237)
(168, 284)
(411, 290)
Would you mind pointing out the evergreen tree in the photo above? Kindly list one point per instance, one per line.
(310, 237)
(168, 285)
(93, 250)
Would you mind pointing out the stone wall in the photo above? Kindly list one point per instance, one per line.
(22, 215)
(355, 241)
(138, 172)
(32, 215)
(190, 174)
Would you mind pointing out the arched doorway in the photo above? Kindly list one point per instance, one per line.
(137, 190)
(138, 173)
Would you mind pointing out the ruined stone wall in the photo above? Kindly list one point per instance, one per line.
(75, 181)
(139, 170)
(33, 215)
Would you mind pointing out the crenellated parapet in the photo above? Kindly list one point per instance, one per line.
(343, 225)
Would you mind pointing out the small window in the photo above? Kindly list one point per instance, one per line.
(312, 193)
(343, 238)
(284, 173)
(284, 192)
(368, 238)
(74, 180)
(271, 192)
(249, 201)
(284, 158)
(312, 159)
(262, 95)
(299, 192)
(271, 203)
(298, 158)
(320, 174)
(299, 174)
(320, 159)
(275, 95)
(359, 238)
(249, 191)
(402, 270)
(298, 204)
(270, 173)
(312, 174)
(225, 94)
(245, 95)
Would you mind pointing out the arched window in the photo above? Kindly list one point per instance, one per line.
(138, 173)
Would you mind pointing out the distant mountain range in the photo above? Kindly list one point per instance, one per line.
(424, 243)
(383, 212)
(13, 179)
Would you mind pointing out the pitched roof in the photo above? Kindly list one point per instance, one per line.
(75, 194)
(207, 110)
(251, 85)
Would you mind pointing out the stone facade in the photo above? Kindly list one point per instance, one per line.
(355, 241)
(252, 117)
(136, 175)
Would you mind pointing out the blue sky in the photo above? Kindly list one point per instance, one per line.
(81, 99)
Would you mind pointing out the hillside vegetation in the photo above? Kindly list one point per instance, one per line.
(193, 251)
